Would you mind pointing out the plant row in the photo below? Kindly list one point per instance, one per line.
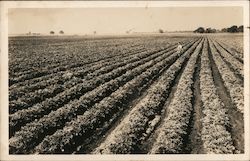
(234, 63)
(25, 102)
(40, 95)
(45, 72)
(140, 121)
(100, 114)
(233, 52)
(61, 55)
(35, 97)
(215, 137)
(24, 116)
(232, 83)
(17, 91)
(116, 53)
(54, 78)
(235, 48)
(70, 55)
(175, 125)
(28, 134)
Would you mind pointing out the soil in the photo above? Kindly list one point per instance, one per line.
(236, 118)
(148, 143)
(194, 143)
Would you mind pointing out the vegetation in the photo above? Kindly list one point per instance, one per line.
(137, 95)
(232, 29)
(161, 31)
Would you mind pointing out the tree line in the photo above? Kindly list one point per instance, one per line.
(232, 29)
(53, 32)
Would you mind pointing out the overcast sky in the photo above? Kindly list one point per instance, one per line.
(119, 20)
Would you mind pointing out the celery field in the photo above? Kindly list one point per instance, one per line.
(126, 94)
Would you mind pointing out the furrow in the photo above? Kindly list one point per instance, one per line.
(80, 128)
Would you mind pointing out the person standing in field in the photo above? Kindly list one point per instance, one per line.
(179, 47)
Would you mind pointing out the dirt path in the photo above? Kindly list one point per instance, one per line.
(148, 143)
(93, 142)
(123, 114)
(237, 74)
(236, 118)
(240, 60)
(194, 143)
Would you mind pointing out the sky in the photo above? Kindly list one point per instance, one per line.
(120, 20)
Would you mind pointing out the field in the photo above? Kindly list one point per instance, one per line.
(126, 95)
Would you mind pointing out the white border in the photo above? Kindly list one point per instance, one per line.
(4, 6)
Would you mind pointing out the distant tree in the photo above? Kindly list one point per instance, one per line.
(224, 30)
(208, 30)
(214, 31)
(217, 30)
(94, 32)
(240, 28)
(52, 32)
(61, 32)
(129, 31)
(161, 31)
(199, 30)
(232, 29)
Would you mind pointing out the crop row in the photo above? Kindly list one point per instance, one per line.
(216, 139)
(84, 125)
(40, 73)
(21, 117)
(21, 88)
(236, 65)
(40, 95)
(16, 92)
(61, 54)
(232, 51)
(235, 44)
(29, 99)
(29, 134)
(231, 82)
(175, 125)
(34, 97)
(64, 64)
(64, 52)
(144, 116)
(69, 55)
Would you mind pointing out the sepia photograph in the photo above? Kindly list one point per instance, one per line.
(159, 79)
